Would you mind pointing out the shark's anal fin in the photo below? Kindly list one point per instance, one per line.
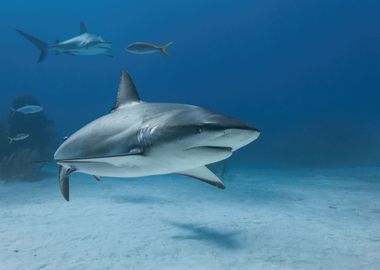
(83, 28)
(205, 175)
(64, 185)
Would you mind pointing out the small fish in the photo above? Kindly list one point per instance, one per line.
(28, 109)
(18, 137)
(148, 48)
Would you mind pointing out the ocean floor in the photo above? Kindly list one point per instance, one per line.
(264, 220)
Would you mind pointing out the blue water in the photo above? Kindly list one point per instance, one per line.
(306, 73)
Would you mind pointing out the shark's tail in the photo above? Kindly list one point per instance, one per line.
(38, 43)
(7, 137)
(164, 48)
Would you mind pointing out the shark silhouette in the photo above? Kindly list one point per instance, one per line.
(84, 44)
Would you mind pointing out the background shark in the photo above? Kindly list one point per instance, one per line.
(139, 139)
(84, 44)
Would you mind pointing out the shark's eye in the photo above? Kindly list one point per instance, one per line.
(199, 129)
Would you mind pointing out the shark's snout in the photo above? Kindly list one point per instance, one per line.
(221, 131)
(238, 138)
(233, 138)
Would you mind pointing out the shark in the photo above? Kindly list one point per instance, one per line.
(83, 44)
(138, 138)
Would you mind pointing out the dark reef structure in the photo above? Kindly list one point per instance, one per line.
(4, 143)
(17, 160)
(19, 165)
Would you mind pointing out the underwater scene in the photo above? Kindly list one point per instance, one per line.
(189, 134)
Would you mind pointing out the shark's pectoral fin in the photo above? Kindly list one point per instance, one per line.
(97, 178)
(205, 175)
(64, 175)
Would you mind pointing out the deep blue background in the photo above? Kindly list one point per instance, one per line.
(304, 72)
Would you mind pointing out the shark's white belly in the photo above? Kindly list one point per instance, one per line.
(90, 51)
(83, 50)
(140, 165)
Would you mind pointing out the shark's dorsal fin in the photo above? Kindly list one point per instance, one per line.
(83, 28)
(127, 93)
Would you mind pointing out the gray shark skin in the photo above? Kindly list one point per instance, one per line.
(84, 44)
(140, 139)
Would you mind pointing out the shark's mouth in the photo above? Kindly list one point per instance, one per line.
(210, 148)
(208, 154)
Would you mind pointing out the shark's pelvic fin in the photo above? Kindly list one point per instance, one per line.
(205, 175)
(83, 28)
(38, 43)
(127, 93)
(64, 175)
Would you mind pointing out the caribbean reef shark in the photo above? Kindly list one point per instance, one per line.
(84, 44)
(140, 139)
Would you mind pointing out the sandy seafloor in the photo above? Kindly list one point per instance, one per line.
(265, 219)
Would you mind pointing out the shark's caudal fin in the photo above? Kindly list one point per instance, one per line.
(164, 48)
(83, 28)
(205, 175)
(10, 140)
(38, 43)
(64, 185)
